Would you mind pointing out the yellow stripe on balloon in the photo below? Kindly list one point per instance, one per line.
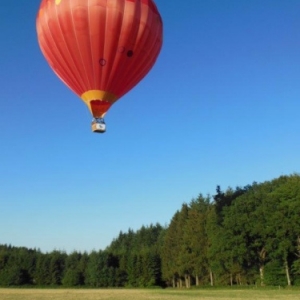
(98, 95)
(57, 2)
(41, 12)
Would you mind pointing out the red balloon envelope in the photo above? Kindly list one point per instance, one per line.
(100, 48)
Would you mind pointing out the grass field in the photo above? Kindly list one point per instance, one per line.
(169, 294)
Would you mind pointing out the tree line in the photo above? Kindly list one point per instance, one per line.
(244, 236)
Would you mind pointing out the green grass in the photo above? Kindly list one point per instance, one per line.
(136, 294)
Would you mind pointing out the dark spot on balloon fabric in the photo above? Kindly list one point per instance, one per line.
(102, 62)
(130, 53)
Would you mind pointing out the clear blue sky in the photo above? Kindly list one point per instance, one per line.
(220, 107)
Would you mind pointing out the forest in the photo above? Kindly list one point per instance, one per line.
(239, 236)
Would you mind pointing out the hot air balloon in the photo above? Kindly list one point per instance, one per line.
(100, 48)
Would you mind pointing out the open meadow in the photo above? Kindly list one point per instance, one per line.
(132, 294)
